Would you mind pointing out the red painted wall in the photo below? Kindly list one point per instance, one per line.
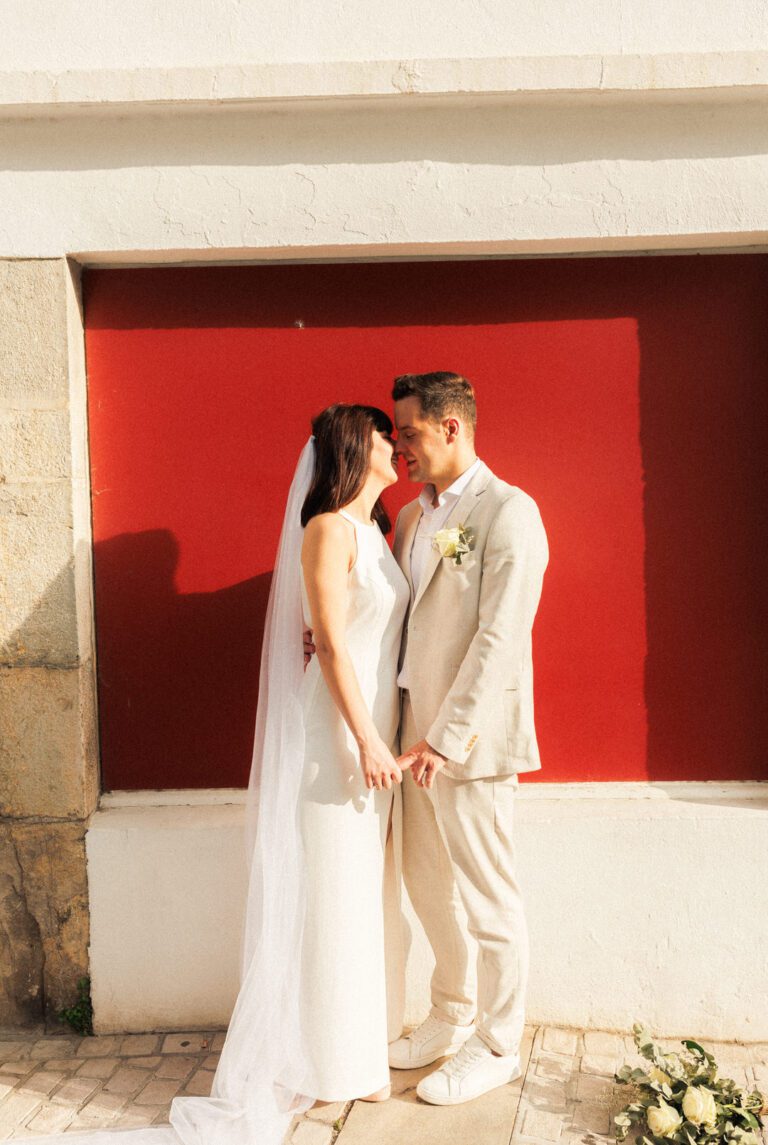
(628, 396)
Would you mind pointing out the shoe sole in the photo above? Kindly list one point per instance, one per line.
(421, 1062)
(461, 1100)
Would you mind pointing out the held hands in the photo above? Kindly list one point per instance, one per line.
(424, 763)
(380, 768)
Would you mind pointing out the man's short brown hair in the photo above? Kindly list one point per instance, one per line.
(440, 394)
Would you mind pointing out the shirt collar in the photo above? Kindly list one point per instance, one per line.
(453, 492)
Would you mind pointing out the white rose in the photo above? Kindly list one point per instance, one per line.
(699, 1105)
(663, 1120)
(656, 1074)
(446, 541)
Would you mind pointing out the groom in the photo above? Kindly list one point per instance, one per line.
(467, 730)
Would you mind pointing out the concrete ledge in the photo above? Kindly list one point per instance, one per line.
(647, 245)
(691, 74)
(733, 792)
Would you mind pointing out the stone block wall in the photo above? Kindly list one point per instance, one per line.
(48, 748)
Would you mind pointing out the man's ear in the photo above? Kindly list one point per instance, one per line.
(452, 428)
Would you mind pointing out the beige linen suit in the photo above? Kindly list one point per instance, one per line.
(467, 652)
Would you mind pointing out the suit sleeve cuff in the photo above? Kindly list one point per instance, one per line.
(455, 747)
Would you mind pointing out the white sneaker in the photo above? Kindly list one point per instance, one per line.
(474, 1071)
(431, 1040)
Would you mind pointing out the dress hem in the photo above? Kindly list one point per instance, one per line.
(363, 1091)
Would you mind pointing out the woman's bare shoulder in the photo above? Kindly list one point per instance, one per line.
(327, 524)
(325, 528)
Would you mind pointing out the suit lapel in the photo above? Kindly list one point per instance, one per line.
(404, 543)
(458, 515)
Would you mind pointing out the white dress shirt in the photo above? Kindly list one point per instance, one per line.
(431, 521)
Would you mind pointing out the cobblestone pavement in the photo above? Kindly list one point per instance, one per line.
(566, 1095)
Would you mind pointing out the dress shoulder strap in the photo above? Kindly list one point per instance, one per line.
(358, 524)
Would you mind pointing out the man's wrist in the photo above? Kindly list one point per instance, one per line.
(436, 752)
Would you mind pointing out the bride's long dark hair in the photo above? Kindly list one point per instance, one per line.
(343, 441)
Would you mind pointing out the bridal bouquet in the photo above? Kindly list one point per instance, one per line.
(679, 1097)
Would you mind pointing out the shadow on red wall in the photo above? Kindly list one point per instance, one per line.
(626, 395)
(178, 676)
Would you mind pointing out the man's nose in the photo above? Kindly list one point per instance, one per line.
(398, 449)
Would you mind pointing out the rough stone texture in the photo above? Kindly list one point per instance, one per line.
(46, 728)
(46, 1047)
(33, 345)
(596, 1042)
(159, 1091)
(48, 771)
(35, 443)
(126, 1080)
(44, 932)
(190, 1043)
(560, 1041)
(38, 590)
(176, 1066)
(312, 1133)
(139, 1045)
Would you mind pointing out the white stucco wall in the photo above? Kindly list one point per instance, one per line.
(644, 902)
(469, 178)
(444, 156)
(70, 34)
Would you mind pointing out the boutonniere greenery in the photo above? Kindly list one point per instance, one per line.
(680, 1097)
(454, 543)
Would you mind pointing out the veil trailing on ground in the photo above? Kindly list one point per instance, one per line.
(259, 1083)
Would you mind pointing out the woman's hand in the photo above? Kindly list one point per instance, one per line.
(380, 768)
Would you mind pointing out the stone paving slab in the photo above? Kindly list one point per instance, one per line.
(565, 1096)
(406, 1118)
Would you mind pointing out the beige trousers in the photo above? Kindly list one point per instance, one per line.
(458, 868)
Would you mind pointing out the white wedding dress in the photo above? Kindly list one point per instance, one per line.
(344, 830)
(310, 1019)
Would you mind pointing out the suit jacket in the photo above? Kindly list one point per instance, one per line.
(467, 641)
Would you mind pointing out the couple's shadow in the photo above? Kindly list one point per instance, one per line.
(177, 672)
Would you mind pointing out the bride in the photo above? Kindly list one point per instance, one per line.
(310, 1020)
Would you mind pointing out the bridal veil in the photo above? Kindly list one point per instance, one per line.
(259, 1083)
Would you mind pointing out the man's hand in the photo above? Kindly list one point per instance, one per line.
(309, 648)
(424, 763)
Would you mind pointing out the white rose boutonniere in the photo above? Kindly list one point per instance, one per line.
(453, 543)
